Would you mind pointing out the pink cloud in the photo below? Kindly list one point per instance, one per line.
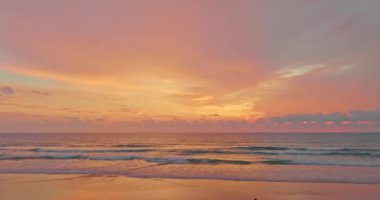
(268, 57)
(349, 121)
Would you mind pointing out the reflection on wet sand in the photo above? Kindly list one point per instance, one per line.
(94, 187)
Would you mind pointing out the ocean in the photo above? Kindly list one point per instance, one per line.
(294, 157)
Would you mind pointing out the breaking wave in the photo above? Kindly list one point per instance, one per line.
(88, 150)
(269, 150)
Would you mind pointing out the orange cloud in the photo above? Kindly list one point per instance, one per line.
(227, 60)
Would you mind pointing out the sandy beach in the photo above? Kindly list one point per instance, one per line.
(94, 187)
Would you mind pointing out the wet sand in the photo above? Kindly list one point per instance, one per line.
(101, 187)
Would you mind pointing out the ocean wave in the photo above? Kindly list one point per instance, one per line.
(218, 161)
(88, 150)
(292, 176)
(243, 150)
(366, 154)
(319, 163)
(255, 148)
(311, 153)
(357, 149)
(48, 157)
(124, 158)
(115, 158)
(277, 162)
(175, 160)
(336, 163)
(184, 160)
(204, 151)
(281, 148)
(274, 150)
(132, 145)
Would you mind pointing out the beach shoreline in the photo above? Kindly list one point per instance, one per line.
(111, 187)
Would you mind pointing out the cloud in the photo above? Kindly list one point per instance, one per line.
(40, 93)
(25, 91)
(319, 118)
(19, 122)
(6, 90)
(127, 111)
(233, 58)
(298, 71)
(370, 116)
(158, 36)
(344, 122)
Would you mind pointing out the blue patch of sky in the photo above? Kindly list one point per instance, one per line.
(20, 79)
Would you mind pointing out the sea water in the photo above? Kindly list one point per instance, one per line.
(298, 157)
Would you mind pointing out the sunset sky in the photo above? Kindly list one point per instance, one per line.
(189, 65)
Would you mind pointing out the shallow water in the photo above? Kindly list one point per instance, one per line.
(305, 157)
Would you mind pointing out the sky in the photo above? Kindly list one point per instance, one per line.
(189, 65)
